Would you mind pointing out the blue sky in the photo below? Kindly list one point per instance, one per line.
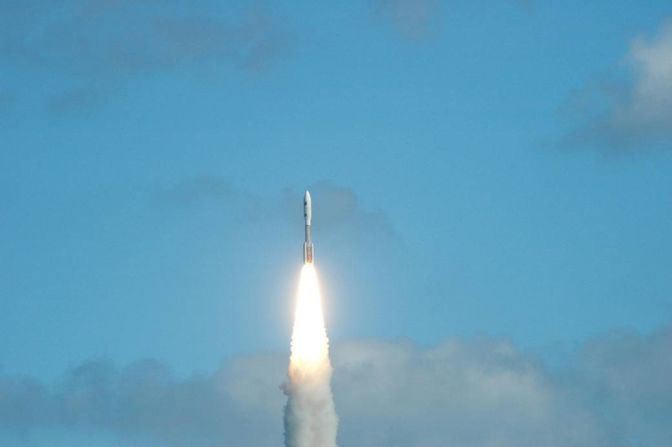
(480, 170)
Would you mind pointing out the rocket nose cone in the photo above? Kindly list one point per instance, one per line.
(307, 200)
(307, 208)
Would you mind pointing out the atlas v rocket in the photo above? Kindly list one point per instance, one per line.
(308, 217)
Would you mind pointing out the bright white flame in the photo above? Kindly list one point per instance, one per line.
(310, 417)
(310, 346)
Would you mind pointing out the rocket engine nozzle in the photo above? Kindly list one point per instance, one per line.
(307, 253)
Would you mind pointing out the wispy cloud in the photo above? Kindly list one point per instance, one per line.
(417, 20)
(638, 113)
(413, 19)
(481, 393)
(337, 208)
(73, 100)
(6, 98)
(107, 38)
(76, 52)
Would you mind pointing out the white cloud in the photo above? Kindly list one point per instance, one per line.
(483, 393)
(639, 113)
(648, 108)
(479, 394)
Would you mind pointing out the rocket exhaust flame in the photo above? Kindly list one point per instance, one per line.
(310, 347)
(310, 417)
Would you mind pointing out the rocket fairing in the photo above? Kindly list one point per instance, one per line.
(308, 217)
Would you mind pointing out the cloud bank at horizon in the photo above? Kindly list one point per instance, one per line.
(486, 392)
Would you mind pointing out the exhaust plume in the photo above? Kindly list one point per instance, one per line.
(310, 416)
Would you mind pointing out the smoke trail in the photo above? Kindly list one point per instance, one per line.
(310, 417)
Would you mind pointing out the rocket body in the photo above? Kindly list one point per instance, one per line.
(308, 217)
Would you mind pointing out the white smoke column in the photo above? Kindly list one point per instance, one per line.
(310, 417)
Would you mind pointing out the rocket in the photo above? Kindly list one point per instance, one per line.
(308, 217)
